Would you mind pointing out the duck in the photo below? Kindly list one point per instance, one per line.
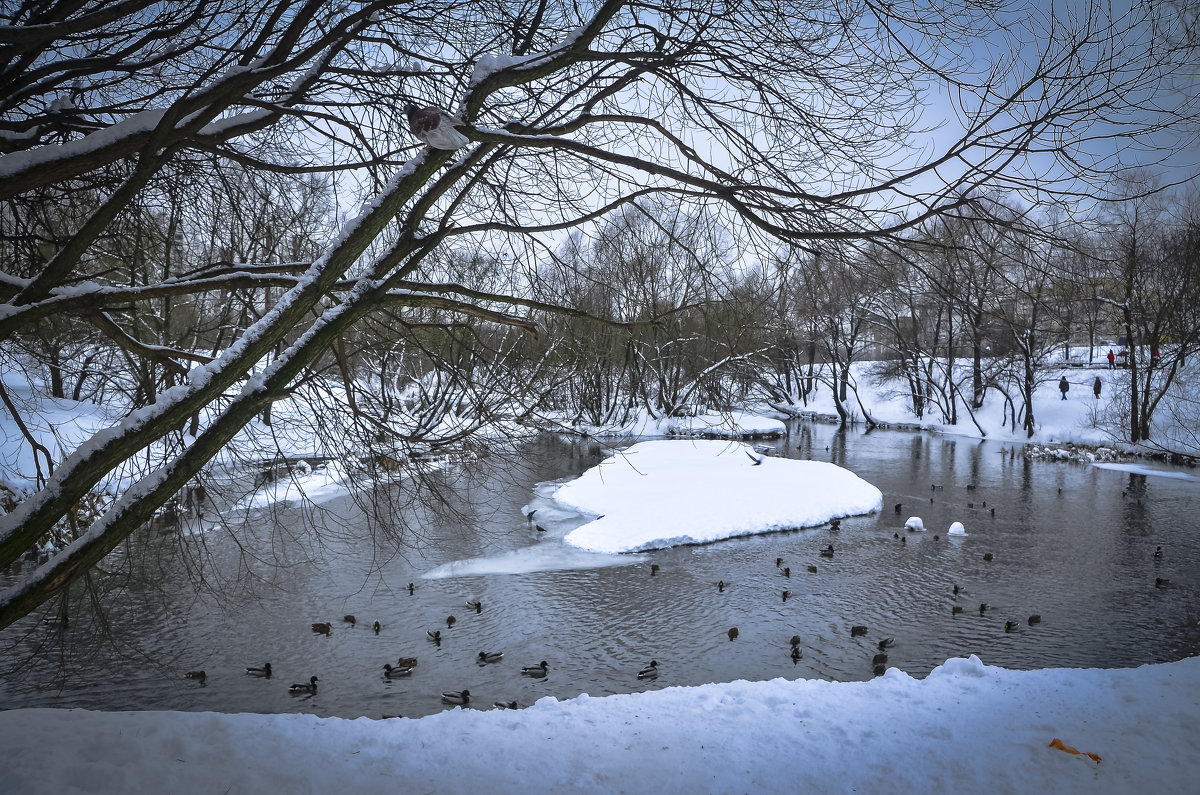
(349, 619)
(1034, 619)
(879, 670)
(650, 671)
(435, 635)
(406, 662)
(1009, 626)
(450, 621)
(732, 633)
(983, 606)
(987, 556)
(539, 528)
(857, 630)
(721, 586)
(322, 628)
(879, 659)
(1161, 582)
(392, 673)
(461, 697)
(506, 705)
(787, 571)
(490, 656)
(786, 594)
(886, 643)
(301, 687)
(827, 552)
(795, 641)
(1158, 552)
(475, 605)
(411, 588)
(836, 525)
(376, 626)
(796, 653)
(264, 672)
(956, 610)
(778, 563)
(956, 589)
(196, 675)
(535, 670)
(653, 569)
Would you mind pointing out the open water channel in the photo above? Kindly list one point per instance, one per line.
(1071, 542)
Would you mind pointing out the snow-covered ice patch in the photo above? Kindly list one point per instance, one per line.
(662, 493)
(1140, 469)
(914, 523)
(957, 529)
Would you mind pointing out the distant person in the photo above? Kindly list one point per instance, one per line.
(1063, 386)
(1096, 387)
(1154, 356)
(1111, 360)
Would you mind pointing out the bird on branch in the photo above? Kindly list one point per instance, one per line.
(435, 127)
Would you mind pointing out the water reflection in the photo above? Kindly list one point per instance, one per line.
(1072, 543)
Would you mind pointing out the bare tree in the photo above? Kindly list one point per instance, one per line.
(793, 123)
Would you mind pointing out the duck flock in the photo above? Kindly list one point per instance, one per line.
(404, 666)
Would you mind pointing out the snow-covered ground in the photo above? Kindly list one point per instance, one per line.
(967, 727)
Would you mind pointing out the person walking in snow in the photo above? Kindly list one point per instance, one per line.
(1063, 386)
(1096, 387)
(1111, 359)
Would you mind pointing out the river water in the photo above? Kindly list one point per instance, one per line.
(1070, 542)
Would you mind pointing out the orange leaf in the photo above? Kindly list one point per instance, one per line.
(1057, 743)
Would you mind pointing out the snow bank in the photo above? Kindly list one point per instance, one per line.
(664, 493)
(967, 727)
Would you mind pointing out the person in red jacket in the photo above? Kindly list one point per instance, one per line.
(1111, 359)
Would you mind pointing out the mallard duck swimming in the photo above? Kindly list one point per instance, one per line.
(264, 672)
(300, 687)
(506, 705)
(778, 563)
(879, 670)
(787, 571)
(1034, 619)
(836, 525)
(196, 675)
(490, 656)
(857, 630)
(879, 659)
(721, 587)
(732, 633)
(786, 594)
(392, 673)
(987, 556)
(795, 640)
(376, 626)
(450, 621)
(956, 610)
(653, 569)
(983, 608)
(475, 605)
(886, 643)
(650, 671)
(1161, 582)
(349, 619)
(812, 569)
(796, 653)
(1158, 552)
(534, 670)
(1009, 626)
(462, 697)
(322, 628)
(411, 588)
(406, 662)
(435, 635)
(827, 552)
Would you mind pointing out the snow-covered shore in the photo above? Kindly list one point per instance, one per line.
(967, 727)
